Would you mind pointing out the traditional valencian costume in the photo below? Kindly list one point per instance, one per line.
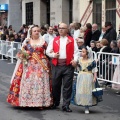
(30, 82)
(82, 88)
(62, 69)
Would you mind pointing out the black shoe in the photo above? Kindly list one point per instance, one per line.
(54, 106)
(66, 108)
(118, 93)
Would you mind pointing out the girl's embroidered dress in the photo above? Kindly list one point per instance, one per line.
(30, 84)
(82, 93)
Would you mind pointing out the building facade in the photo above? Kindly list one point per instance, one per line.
(11, 13)
(54, 11)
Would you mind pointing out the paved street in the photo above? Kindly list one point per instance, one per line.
(109, 109)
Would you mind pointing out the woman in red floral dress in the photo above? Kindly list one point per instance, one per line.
(30, 85)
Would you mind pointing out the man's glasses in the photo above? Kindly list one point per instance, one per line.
(62, 28)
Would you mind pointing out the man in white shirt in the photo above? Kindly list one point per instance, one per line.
(64, 53)
(49, 36)
(76, 30)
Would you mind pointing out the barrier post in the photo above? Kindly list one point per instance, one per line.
(12, 52)
(1, 49)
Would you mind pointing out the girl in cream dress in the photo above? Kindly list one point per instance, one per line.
(86, 81)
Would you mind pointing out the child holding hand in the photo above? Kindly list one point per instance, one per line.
(86, 81)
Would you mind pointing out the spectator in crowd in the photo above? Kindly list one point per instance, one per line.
(113, 46)
(46, 26)
(11, 37)
(1, 27)
(17, 39)
(118, 44)
(5, 32)
(50, 35)
(95, 32)
(76, 30)
(26, 31)
(102, 33)
(7, 37)
(114, 49)
(23, 30)
(118, 33)
(43, 30)
(82, 32)
(93, 45)
(98, 46)
(102, 58)
(1, 31)
(110, 33)
(71, 29)
(22, 37)
(55, 31)
(88, 34)
(104, 48)
(80, 43)
(19, 34)
(10, 29)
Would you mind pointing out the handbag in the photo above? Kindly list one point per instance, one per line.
(97, 92)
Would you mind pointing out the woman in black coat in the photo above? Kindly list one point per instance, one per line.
(88, 34)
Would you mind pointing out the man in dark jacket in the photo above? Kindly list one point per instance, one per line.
(110, 32)
(95, 32)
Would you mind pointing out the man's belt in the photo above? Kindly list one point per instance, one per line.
(61, 62)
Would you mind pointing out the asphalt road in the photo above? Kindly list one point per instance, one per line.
(109, 109)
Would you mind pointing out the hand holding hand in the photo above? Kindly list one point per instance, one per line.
(94, 80)
(74, 63)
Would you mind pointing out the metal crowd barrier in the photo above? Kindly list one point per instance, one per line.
(108, 67)
(9, 49)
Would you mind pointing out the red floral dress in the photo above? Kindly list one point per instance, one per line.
(31, 83)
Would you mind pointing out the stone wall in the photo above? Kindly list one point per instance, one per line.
(15, 14)
(4, 1)
(36, 11)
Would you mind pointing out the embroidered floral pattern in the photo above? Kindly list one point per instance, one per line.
(31, 84)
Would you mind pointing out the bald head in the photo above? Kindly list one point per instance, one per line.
(94, 27)
(63, 29)
(63, 24)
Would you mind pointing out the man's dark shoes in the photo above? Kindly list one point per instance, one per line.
(54, 106)
(66, 108)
